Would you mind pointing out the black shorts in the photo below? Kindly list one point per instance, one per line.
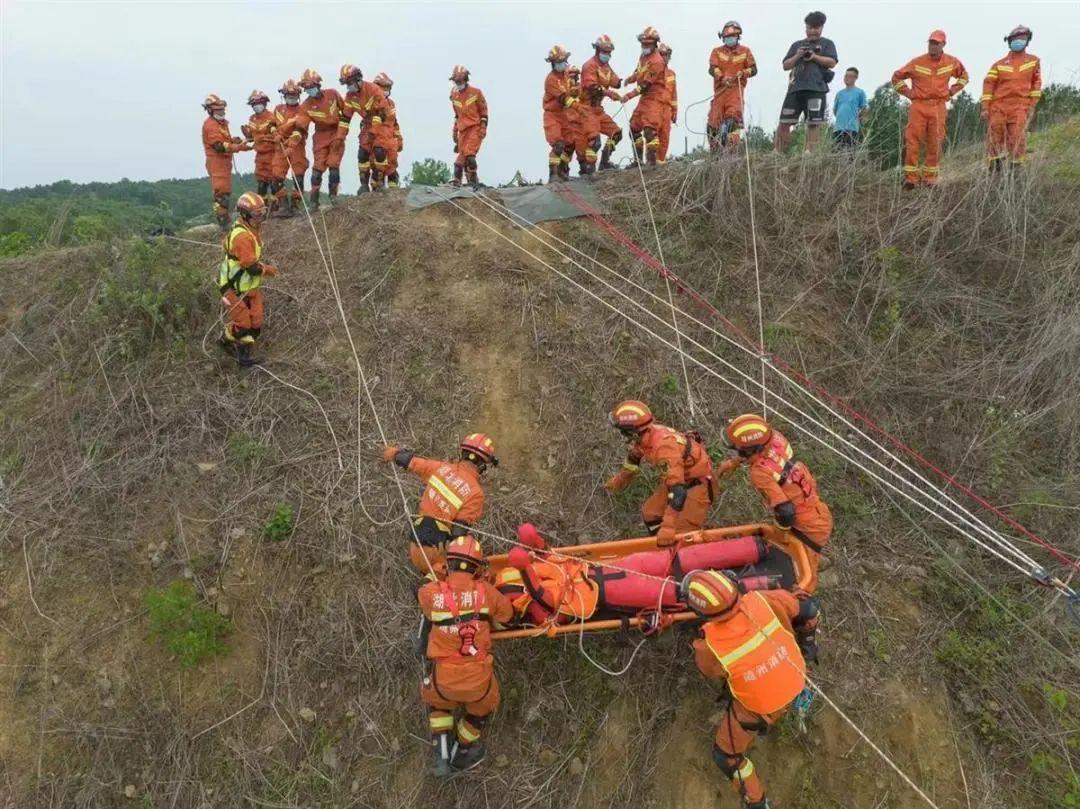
(798, 103)
(846, 139)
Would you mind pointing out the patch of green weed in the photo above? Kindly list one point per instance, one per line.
(279, 525)
(189, 631)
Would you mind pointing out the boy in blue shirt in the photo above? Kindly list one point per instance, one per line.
(849, 112)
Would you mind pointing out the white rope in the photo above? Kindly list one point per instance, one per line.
(974, 524)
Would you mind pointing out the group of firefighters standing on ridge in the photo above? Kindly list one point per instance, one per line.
(754, 644)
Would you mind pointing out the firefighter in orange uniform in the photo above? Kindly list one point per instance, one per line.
(453, 500)
(458, 613)
(470, 125)
(687, 487)
(575, 121)
(599, 81)
(261, 128)
(559, 97)
(367, 100)
(395, 141)
(935, 78)
(757, 646)
(240, 276)
(673, 102)
(731, 65)
(324, 109)
(290, 155)
(1011, 90)
(653, 107)
(786, 486)
(219, 146)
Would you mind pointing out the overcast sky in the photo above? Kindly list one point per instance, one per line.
(95, 90)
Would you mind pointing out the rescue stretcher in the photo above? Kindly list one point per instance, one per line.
(786, 564)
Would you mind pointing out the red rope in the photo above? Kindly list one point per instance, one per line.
(683, 288)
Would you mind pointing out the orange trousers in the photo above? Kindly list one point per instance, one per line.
(734, 736)
(220, 171)
(665, 141)
(813, 521)
(694, 512)
(596, 122)
(727, 103)
(1007, 136)
(264, 165)
(468, 144)
(327, 149)
(450, 687)
(925, 130)
(244, 316)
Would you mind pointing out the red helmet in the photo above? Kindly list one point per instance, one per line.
(464, 553)
(557, 54)
(478, 446)
(213, 102)
(459, 73)
(748, 432)
(1020, 32)
(258, 97)
(650, 34)
(709, 593)
(251, 206)
(731, 29)
(384, 81)
(289, 88)
(310, 78)
(604, 43)
(630, 415)
(350, 74)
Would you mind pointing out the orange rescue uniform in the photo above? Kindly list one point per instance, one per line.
(933, 83)
(219, 146)
(470, 123)
(453, 496)
(673, 102)
(754, 650)
(294, 154)
(328, 144)
(1011, 89)
(559, 97)
(396, 143)
(239, 280)
(653, 108)
(682, 460)
(376, 138)
(461, 610)
(598, 81)
(731, 69)
(262, 127)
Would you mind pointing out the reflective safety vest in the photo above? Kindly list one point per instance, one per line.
(457, 618)
(765, 669)
(231, 275)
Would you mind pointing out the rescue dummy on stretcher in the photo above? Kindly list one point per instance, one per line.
(633, 582)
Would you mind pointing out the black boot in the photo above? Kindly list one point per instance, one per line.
(440, 764)
(474, 180)
(467, 756)
(762, 804)
(605, 157)
(313, 199)
(244, 356)
(365, 183)
(458, 172)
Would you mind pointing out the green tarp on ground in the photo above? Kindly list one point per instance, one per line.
(533, 203)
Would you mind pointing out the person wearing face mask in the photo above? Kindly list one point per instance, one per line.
(368, 101)
(672, 90)
(809, 63)
(470, 125)
(261, 128)
(1011, 90)
(323, 108)
(653, 107)
(559, 97)
(731, 65)
(290, 154)
(219, 146)
(395, 142)
(599, 81)
(575, 119)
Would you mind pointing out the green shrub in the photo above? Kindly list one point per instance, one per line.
(244, 449)
(280, 523)
(90, 228)
(15, 244)
(189, 631)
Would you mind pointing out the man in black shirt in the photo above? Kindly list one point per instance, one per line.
(809, 62)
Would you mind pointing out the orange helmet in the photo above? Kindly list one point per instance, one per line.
(731, 29)
(709, 593)
(630, 415)
(311, 78)
(350, 74)
(258, 97)
(650, 34)
(464, 553)
(459, 73)
(478, 446)
(1020, 32)
(604, 43)
(664, 49)
(384, 81)
(289, 88)
(747, 433)
(213, 102)
(557, 54)
(251, 206)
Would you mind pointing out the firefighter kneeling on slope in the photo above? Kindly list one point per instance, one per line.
(757, 646)
(458, 612)
(240, 277)
(681, 502)
(452, 502)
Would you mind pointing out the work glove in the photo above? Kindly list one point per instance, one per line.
(219, 147)
(238, 139)
(246, 130)
(665, 536)
(519, 558)
(809, 648)
(728, 466)
(619, 481)
(389, 451)
(528, 535)
(728, 81)
(483, 132)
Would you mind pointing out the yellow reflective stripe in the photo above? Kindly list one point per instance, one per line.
(630, 467)
(1028, 65)
(441, 723)
(471, 100)
(941, 71)
(704, 592)
(746, 770)
(1006, 68)
(445, 491)
(1036, 94)
(751, 645)
(750, 427)
(467, 732)
(510, 574)
(987, 97)
(900, 85)
(441, 616)
(740, 58)
(924, 70)
(962, 81)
